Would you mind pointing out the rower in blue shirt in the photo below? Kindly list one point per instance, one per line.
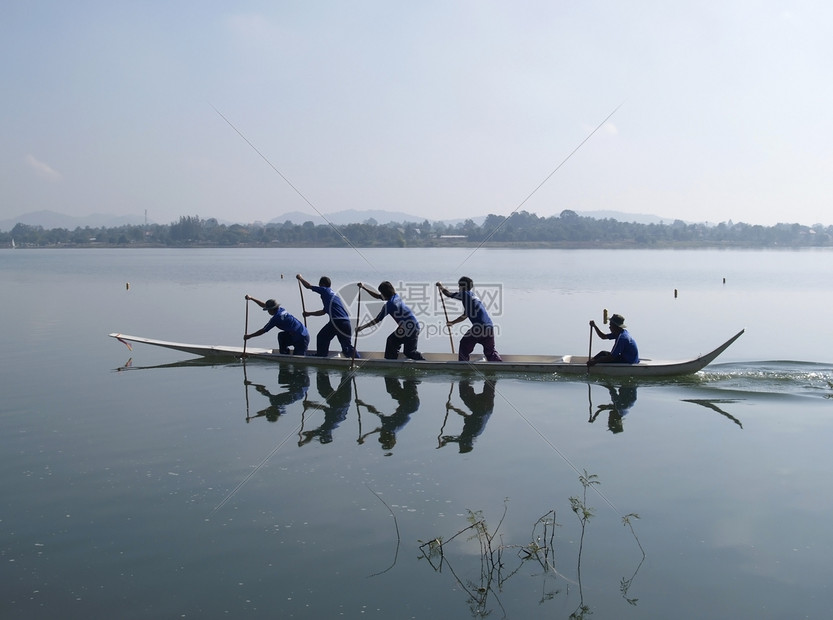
(624, 350)
(407, 329)
(292, 331)
(339, 324)
(482, 330)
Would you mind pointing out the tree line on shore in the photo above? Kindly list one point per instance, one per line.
(566, 230)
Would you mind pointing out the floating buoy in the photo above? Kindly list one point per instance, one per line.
(675, 293)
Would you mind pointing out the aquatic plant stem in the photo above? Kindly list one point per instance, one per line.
(395, 524)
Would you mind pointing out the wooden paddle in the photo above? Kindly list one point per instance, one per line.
(590, 349)
(303, 305)
(245, 377)
(246, 327)
(356, 335)
(445, 312)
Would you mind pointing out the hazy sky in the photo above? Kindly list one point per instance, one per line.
(442, 109)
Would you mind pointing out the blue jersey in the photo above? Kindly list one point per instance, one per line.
(624, 348)
(332, 303)
(473, 307)
(400, 313)
(286, 322)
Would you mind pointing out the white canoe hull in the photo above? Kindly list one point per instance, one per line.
(447, 362)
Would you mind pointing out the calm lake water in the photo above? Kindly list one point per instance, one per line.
(139, 484)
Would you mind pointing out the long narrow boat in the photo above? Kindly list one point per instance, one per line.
(554, 364)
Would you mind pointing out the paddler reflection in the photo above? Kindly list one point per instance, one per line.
(480, 405)
(404, 392)
(621, 401)
(295, 382)
(335, 407)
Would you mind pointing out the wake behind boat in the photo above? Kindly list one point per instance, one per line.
(447, 362)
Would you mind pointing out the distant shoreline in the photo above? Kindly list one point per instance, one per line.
(520, 230)
(521, 245)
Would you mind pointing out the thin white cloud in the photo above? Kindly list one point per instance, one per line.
(43, 169)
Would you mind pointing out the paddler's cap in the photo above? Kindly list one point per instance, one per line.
(271, 304)
(617, 319)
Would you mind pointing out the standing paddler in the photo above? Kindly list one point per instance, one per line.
(407, 329)
(482, 330)
(339, 324)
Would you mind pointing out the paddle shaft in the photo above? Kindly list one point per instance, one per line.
(246, 328)
(590, 350)
(245, 377)
(303, 305)
(445, 312)
(590, 345)
(356, 335)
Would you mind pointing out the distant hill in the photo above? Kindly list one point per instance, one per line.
(49, 220)
(350, 216)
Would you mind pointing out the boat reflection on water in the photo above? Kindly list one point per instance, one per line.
(294, 381)
(621, 401)
(469, 398)
(339, 390)
(480, 406)
(712, 403)
(623, 398)
(404, 392)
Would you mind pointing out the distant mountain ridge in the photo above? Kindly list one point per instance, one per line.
(50, 219)
(349, 216)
